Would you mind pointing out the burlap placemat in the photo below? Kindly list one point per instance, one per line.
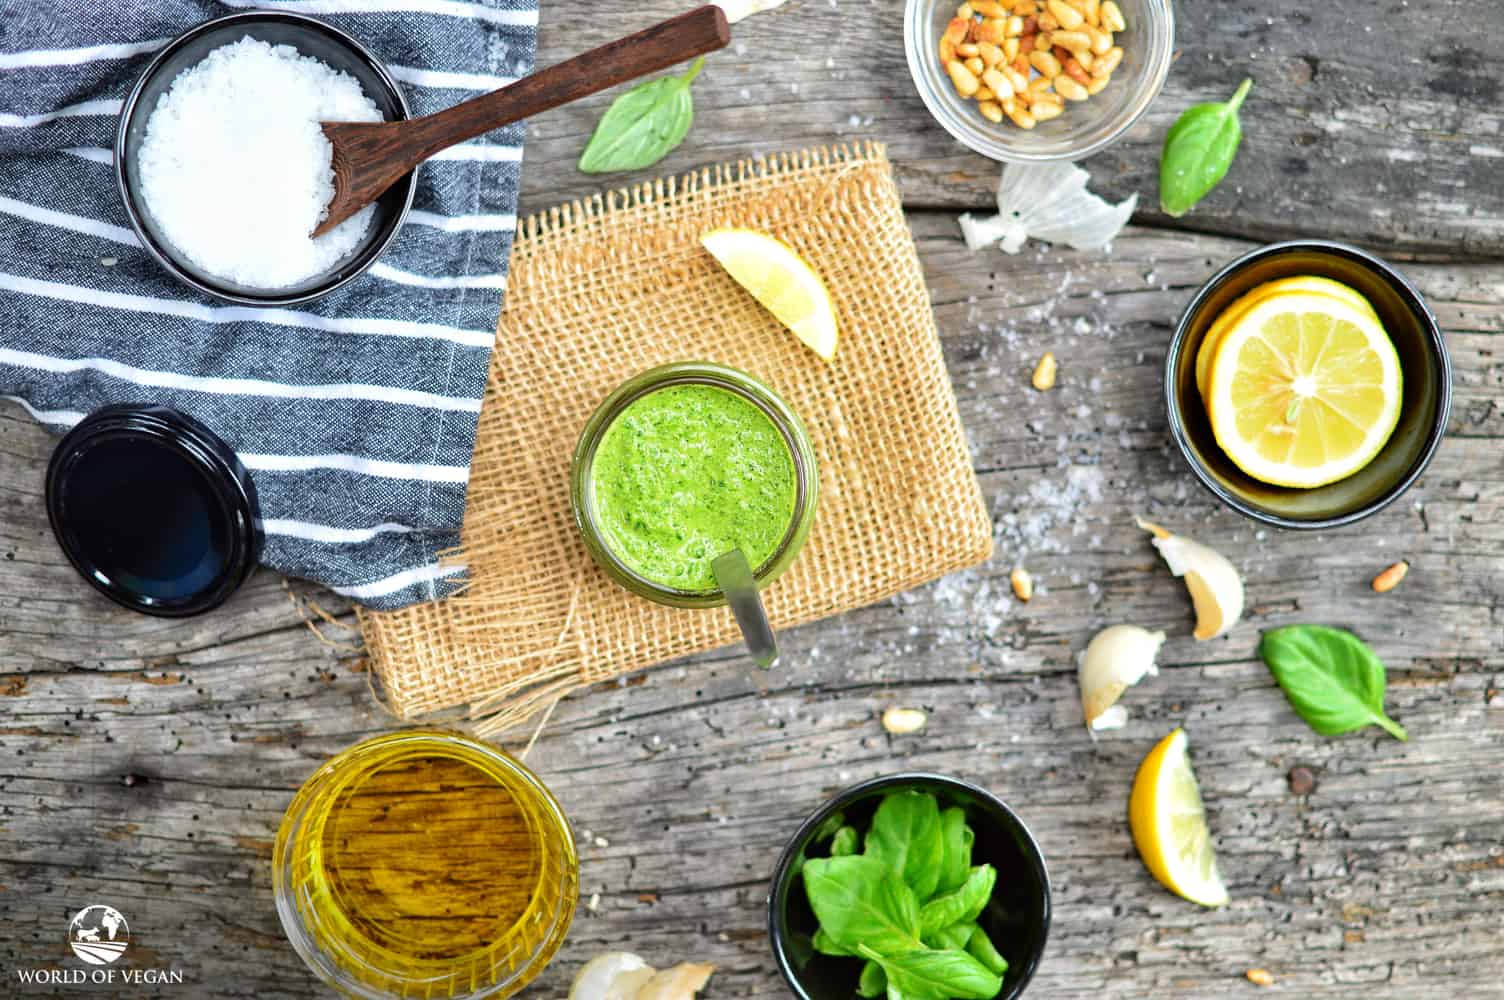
(604, 289)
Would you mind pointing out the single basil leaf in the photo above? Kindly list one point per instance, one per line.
(829, 828)
(643, 125)
(844, 843)
(874, 981)
(962, 906)
(1331, 677)
(937, 975)
(905, 834)
(1198, 150)
(857, 902)
(822, 943)
(955, 936)
(956, 839)
(980, 947)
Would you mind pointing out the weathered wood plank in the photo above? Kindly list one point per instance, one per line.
(1390, 876)
(1381, 126)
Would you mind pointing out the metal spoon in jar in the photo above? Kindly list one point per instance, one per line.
(370, 157)
(734, 576)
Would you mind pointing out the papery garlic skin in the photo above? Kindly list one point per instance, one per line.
(1215, 585)
(1117, 658)
(612, 975)
(1048, 201)
(737, 10)
(681, 982)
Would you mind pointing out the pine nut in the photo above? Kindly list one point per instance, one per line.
(1023, 584)
(1031, 25)
(1098, 84)
(991, 110)
(1101, 41)
(1010, 50)
(903, 721)
(1092, 11)
(1040, 85)
(1044, 109)
(956, 30)
(989, 8)
(1047, 65)
(1075, 41)
(1075, 72)
(966, 11)
(1025, 8)
(998, 84)
(1086, 59)
(1042, 41)
(964, 80)
(975, 65)
(947, 51)
(1014, 27)
(991, 54)
(1069, 17)
(1019, 80)
(983, 94)
(991, 32)
(1047, 22)
(1105, 65)
(1391, 577)
(1022, 118)
(1044, 372)
(1112, 16)
(1070, 89)
(967, 49)
(1260, 977)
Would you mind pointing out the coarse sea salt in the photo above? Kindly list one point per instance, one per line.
(236, 171)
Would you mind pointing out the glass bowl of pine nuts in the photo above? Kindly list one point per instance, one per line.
(1034, 81)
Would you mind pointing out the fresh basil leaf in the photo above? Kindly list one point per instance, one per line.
(936, 975)
(954, 937)
(844, 843)
(1333, 680)
(956, 839)
(829, 828)
(980, 947)
(643, 125)
(874, 981)
(905, 835)
(1198, 150)
(962, 906)
(825, 946)
(858, 901)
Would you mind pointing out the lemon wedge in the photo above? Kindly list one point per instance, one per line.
(783, 282)
(1169, 824)
(1304, 390)
(1229, 316)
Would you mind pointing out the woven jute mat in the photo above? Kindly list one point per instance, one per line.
(601, 290)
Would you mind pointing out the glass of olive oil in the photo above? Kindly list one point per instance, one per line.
(425, 864)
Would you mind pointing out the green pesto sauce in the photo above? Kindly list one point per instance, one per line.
(687, 473)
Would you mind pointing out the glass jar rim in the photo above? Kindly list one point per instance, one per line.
(743, 384)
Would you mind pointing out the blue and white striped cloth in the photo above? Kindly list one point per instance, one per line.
(356, 414)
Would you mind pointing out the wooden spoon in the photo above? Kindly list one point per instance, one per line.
(370, 157)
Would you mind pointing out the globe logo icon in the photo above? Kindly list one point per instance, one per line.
(98, 934)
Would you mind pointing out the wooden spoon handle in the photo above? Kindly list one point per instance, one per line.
(663, 45)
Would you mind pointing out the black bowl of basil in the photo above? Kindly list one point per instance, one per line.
(921, 882)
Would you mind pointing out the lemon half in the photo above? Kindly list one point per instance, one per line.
(1305, 389)
(1169, 824)
(782, 281)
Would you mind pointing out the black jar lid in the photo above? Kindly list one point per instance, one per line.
(153, 509)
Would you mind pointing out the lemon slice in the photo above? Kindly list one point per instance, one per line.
(1169, 824)
(1304, 390)
(1229, 316)
(781, 280)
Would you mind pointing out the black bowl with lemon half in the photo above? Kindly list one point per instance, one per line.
(1015, 917)
(1426, 390)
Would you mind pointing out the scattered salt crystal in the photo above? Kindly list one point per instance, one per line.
(235, 170)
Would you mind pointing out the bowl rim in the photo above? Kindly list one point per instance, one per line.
(1160, 73)
(133, 212)
(1436, 341)
(862, 789)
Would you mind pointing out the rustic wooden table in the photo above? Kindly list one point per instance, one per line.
(147, 763)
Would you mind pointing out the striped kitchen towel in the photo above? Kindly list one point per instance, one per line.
(355, 414)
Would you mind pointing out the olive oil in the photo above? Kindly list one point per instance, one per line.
(425, 864)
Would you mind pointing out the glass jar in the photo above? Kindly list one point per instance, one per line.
(425, 864)
(802, 452)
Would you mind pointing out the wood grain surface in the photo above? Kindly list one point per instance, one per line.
(145, 764)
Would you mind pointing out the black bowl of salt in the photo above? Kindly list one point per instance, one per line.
(224, 171)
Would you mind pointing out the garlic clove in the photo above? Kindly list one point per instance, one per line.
(612, 975)
(1216, 588)
(1116, 659)
(681, 982)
